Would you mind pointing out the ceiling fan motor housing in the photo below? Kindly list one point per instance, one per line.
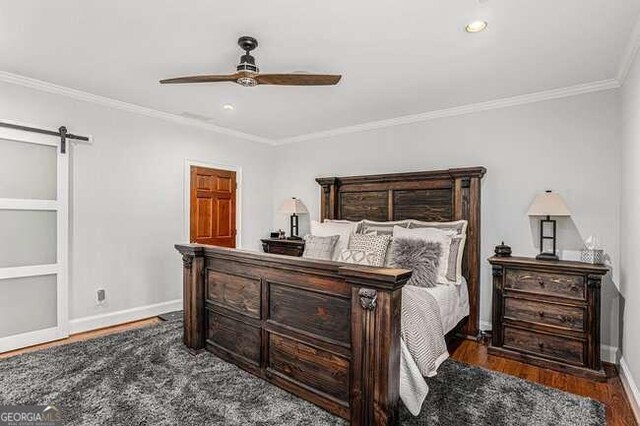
(247, 63)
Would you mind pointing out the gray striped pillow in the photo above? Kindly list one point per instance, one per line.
(319, 247)
(357, 226)
(382, 228)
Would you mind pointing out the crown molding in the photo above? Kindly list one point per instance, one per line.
(45, 86)
(629, 54)
(546, 95)
(398, 121)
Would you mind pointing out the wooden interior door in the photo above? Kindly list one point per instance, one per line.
(213, 207)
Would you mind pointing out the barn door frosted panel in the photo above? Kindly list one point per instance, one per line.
(33, 239)
(27, 170)
(27, 238)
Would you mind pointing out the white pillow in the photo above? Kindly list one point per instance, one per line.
(327, 229)
(357, 225)
(434, 235)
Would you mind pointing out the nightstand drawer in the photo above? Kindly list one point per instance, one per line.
(281, 250)
(284, 247)
(561, 348)
(549, 284)
(567, 317)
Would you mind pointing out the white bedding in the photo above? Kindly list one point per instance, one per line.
(453, 301)
(422, 345)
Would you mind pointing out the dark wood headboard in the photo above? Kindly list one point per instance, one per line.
(436, 196)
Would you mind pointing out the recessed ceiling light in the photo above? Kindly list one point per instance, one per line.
(228, 107)
(476, 26)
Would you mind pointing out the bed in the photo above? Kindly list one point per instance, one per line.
(326, 331)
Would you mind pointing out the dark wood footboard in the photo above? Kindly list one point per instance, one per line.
(327, 332)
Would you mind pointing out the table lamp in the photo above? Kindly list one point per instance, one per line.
(547, 205)
(293, 207)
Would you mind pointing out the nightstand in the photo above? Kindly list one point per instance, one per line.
(547, 313)
(285, 247)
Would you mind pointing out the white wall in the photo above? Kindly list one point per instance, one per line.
(569, 145)
(128, 185)
(127, 194)
(630, 225)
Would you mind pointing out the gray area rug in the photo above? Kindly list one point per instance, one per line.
(146, 377)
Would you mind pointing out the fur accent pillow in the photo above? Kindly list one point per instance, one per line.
(456, 251)
(421, 256)
(434, 235)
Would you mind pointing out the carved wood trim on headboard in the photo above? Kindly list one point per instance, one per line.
(438, 196)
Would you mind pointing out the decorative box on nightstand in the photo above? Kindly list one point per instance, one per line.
(283, 246)
(547, 313)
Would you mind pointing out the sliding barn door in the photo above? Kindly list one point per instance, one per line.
(34, 178)
(213, 207)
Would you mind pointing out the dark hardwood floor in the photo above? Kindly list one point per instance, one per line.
(610, 393)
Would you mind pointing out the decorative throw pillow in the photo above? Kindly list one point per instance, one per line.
(327, 229)
(456, 251)
(357, 226)
(382, 228)
(357, 257)
(421, 256)
(321, 248)
(460, 226)
(433, 235)
(376, 244)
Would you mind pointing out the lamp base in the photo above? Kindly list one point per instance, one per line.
(547, 256)
(294, 237)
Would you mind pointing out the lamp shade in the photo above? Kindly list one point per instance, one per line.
(293, 206)
(548, 204)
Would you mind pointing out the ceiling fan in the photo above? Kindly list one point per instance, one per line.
(248, 74)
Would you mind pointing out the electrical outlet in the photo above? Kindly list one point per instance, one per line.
(101, 296)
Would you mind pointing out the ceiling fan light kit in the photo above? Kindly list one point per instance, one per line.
(248, 73)
(247, 66)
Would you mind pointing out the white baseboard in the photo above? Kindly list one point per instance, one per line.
(630, 388)
(485, 325)
(608, 353)
(109, 319)
(31, 338)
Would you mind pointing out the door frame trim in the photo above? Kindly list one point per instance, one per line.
(186, 189)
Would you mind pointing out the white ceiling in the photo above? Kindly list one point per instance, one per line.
(397, 57)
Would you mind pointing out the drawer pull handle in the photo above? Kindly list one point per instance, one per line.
(541, 346)
(541, 283)
(541, 314)
(574, 288)
(565, 319)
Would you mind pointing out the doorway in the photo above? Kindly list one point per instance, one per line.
(213, 206)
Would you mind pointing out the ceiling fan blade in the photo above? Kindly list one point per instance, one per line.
(298, 79)
(201, 79)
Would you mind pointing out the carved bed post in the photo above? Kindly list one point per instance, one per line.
(466, 205)
(328, 198)
(376, 303)
(473, 325)
(193, 296)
